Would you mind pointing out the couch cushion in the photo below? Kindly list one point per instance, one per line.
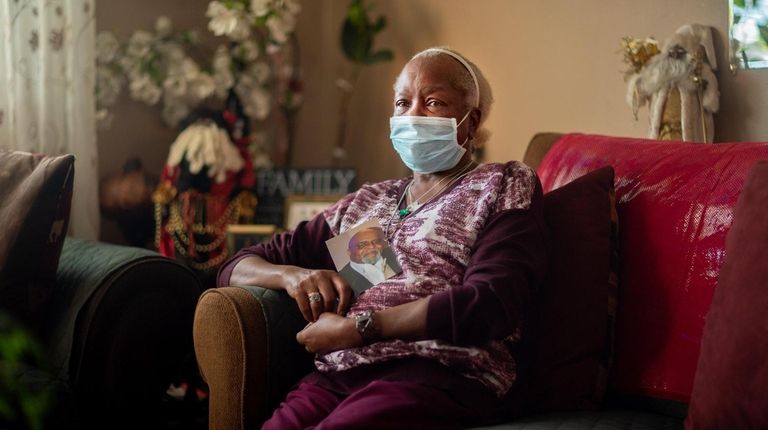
(731, 385)
(577, 303)
(675, 203)
(36, 192)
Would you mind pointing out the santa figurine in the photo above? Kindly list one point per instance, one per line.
(680, 87)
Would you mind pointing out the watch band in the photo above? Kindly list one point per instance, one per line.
(365, 323)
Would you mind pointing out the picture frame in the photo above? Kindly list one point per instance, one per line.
(299, 207)
(240, 236)
(274, 184)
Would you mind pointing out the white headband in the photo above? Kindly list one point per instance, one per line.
(466, 65)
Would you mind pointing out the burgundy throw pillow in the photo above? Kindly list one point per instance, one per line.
(36, 193)
(730, 388)
(573, 325)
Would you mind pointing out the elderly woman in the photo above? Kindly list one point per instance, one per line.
(435, 346)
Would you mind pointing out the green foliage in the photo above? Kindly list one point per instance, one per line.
(357, 35)
(24, 403)
(763, 30)
(749, 17)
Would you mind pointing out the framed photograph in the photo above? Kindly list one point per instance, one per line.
(363, 257)
(243, 235)
(300, 208)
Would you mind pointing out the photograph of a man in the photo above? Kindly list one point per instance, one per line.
(371, 260)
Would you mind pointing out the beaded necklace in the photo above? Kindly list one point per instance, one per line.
(415, 201)
(402, 213)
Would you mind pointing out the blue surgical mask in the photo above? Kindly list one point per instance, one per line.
(427, 144)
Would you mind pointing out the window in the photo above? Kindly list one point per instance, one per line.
(749, 33)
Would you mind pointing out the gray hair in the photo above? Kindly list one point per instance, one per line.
(467, 85)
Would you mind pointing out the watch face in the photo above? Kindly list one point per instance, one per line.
(363, 322)
(364, 325)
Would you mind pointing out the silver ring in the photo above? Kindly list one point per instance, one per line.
(314, 297)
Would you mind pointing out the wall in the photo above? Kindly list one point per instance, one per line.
(554, 66)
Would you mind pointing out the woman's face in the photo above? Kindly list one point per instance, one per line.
(427, 87)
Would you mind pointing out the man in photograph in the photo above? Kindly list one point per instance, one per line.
(371, 260)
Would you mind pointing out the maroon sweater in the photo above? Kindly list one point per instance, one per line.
(477, 251)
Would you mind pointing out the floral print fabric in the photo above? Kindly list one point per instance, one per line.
(433, 246)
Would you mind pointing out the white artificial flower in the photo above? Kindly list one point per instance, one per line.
(242, 30)
(257, 101)
(260, 72)
(249, 50)
(106, 47)
(108, 85)
(261, 7)
(163, 26)
(131, 66)
(223, 78)
(172, 52)
(220, 16)
(232, 23)
(144, 89)
(221, 59)
(175, 85)
(279, 26)
(189, 69)
(201, 87)
(223, 81)
(292, 6)
(140, 44)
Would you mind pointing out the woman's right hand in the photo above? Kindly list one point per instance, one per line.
(335, 293)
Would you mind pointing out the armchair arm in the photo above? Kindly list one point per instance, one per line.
(538, 147)
(245, 344)
(118, 328)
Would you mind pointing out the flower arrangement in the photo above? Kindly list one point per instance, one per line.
(168, 67)
(156, 66)
(214, 97)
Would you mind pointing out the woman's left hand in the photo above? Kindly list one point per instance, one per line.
(330, 332)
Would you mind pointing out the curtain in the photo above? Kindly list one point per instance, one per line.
(47, 71)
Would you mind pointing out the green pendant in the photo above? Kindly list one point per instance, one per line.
(404, 212)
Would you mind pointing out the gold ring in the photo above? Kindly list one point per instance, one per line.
(315, 297)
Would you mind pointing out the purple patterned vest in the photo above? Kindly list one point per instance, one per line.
(433, 246)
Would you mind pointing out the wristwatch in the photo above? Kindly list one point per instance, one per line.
(365, 323)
